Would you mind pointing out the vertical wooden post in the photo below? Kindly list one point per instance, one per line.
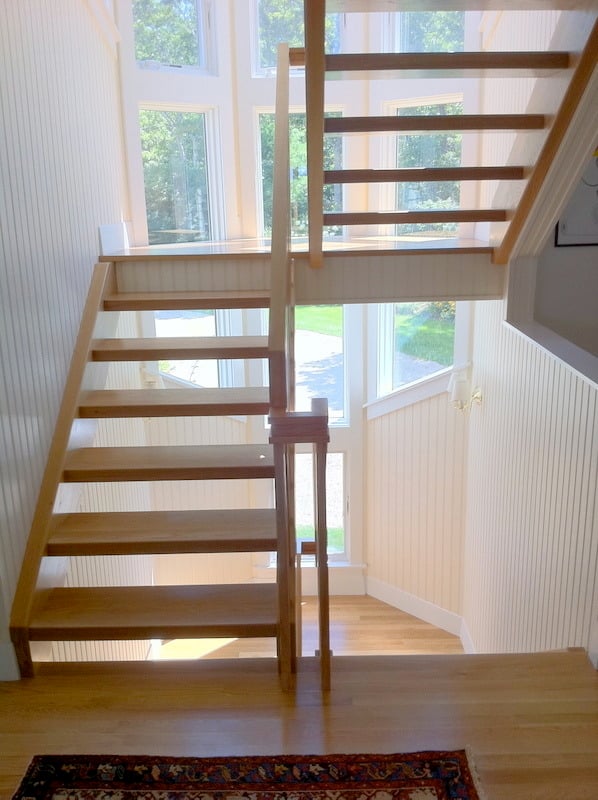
(320, 406)
(315, 70)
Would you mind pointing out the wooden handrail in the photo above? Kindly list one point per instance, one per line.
(579, 81)
(102, 283)
(281, 211)
(315, 69)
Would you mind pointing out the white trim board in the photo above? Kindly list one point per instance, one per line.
(410, 604)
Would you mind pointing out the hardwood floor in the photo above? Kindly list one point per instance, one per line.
(531, 721)
(359, 625)
(399, 684)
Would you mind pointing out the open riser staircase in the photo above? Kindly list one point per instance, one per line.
(47, 611)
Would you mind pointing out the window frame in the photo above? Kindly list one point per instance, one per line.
(205, 43)
(213, 164)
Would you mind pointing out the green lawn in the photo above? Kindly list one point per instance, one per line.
(425, 335)
(336, 537)
(320, 319)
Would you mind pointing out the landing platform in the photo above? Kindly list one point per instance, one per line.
(356, 245)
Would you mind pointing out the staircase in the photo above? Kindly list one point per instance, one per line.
(320, 66)
(153, 612)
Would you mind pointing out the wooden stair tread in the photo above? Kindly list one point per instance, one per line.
(154, 463)
(411, 217)
(182, 348)
(157, 532)
(434, 122)
(486, 64)
(424, 174)
(469, 64)
(174, 402)
(180, 301)
(156, 612)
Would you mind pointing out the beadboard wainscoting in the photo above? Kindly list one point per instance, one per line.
(416, 469)
(59, 107)
(531, 552)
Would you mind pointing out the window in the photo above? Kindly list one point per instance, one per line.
(298, 166)
(429, 150)
(175, 173)
(429, 31)
(208, 373)
(415, 340)
(335, 500)
(168, 33)
(282, 21)
(320, 360)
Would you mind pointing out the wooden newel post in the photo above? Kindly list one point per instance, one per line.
(311, 427)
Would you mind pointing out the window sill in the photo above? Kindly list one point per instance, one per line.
(408, 395)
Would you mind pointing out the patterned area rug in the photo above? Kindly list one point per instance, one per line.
(409, 776)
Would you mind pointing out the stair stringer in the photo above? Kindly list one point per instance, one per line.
(40, 574)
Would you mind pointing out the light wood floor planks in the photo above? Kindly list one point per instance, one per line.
(531, 721)
(359, 626)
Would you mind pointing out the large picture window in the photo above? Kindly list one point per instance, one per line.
(175, 173)
(429, 150)
(298, 165)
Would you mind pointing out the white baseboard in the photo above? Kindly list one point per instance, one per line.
(9, 669)
(423, 609)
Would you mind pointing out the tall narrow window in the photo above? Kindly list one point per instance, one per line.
(168, 33)
(335, 499)
(175, 173)
(298, 156)
(320, 359)
(429, 150)
(283, 22)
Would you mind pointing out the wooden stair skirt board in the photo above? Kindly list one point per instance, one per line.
(158, 532)
(156, 612)
(435, 122)
(180, 402)
(182, 348)
(158, 463)
(181, 301)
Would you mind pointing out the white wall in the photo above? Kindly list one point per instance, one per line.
(531, 552)
(415, 478)
(60, 177)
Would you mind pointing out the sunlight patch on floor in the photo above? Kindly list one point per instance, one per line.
(189, 648)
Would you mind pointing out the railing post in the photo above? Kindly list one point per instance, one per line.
(319, 406)
(287, 430)
(315, 70)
